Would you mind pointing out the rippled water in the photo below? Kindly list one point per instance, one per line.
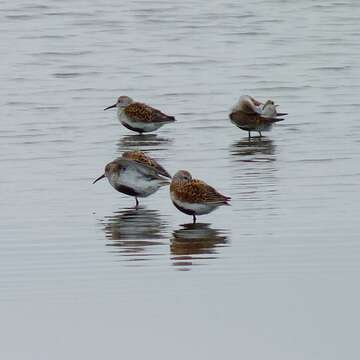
(84, 275)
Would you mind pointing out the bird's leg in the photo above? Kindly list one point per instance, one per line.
(194, 219)
(249, 135)
(260, 133)
(137, 202)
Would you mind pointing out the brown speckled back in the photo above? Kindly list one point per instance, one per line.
(139, 112)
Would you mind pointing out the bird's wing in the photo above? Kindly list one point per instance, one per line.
(199, 191)
(144, 159)
(251, 120)
(243, 118)
(141, 169)
(144, 113)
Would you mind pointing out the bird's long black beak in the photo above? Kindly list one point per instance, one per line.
(111, 106)
(99, 178)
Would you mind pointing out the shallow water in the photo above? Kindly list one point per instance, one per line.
(84, 275)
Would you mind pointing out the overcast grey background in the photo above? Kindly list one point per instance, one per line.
(274, 276)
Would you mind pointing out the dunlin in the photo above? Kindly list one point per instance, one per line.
(135, 174)
(194, 197)
(139, 117)
(250, 114)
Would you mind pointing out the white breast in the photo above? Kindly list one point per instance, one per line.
(198, 208)
(145, 127)
(137, 181)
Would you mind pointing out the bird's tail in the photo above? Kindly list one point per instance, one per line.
(226, 200)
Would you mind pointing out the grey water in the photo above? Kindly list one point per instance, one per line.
(274, 276)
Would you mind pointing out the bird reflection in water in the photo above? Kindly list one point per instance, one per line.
(259, 149)
(255, 178)
(144, 141)
(135, 234)
(193, 243)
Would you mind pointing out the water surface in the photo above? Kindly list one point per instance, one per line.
(84, 275)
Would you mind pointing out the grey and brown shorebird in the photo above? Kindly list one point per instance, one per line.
(194, 197)
(135, 174)
(139, 117)
(250, 114)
